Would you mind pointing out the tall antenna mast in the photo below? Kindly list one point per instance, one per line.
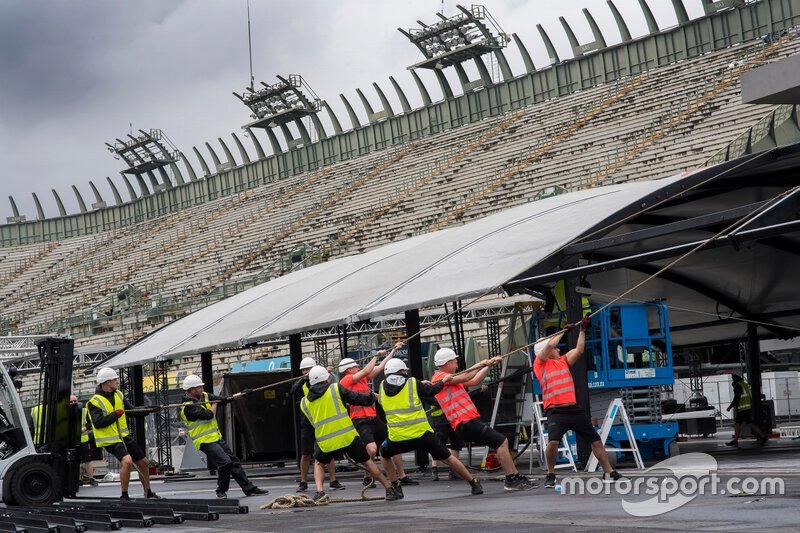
(250, 46)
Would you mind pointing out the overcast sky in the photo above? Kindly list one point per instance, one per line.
(75, 74)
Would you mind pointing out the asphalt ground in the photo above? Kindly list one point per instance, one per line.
(447, 505)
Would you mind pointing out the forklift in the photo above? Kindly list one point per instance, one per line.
(40, 473)
(40, 477)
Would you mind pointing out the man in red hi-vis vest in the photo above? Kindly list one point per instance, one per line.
(370, 428)
(560, 406)
(462, 414)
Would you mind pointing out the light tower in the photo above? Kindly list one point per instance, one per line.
(454, 40)
(278, 104)
(145, 153)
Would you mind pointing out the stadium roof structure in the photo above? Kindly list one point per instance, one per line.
(726, 24)
(744, 213)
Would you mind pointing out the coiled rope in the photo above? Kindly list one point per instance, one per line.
(287, 501)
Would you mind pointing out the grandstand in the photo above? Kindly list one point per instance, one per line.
(643, 109)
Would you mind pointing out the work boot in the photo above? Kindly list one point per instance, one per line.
(405, 480)
(319, 495)
(550, 481)
(398, 490)
(518, 482)
(476, 486)
(302, 487)
(390, 494)
(435, 473)
(255, 491)
(335, 485)
(734, 442)
(368, 482)
(221, 494)
(125, 498)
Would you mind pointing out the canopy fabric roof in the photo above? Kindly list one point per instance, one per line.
(525, 242)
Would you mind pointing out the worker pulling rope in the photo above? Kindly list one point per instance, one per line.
(737, 224)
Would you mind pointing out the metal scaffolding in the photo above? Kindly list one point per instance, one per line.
(161, 418)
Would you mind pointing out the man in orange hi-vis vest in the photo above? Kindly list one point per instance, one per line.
(560, 406)
(463, 416)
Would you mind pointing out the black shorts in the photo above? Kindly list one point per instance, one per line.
(90, 453)
(477, 432)
(120, 450)
(445, 433)
(356, 451)
(743, 417)
(307, 437)
(371, 429)
(562, 419)
(428, 442)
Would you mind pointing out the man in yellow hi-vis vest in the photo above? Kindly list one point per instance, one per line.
(107, 412)
(742, 401)
(326, 407)
(37, 413)
(409, 429)
(307, 439)
(88, 447)
(200, 418)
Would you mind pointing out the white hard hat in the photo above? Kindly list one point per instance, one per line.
(443, 355)
(106, 374)
(307, 362)
(539, 347)
(318, 374)
(394, 366)
(346, 363)
(191, 381)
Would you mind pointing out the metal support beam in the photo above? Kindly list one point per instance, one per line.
(579, 369)
(754, 374)
(136, 376)
(207, 371)
(342, 335)
(414, 345)
(161, 419)
(415, 364)
(295, 355)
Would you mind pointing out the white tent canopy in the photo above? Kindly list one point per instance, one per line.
(456, 263)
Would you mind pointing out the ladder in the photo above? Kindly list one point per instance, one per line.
(616, 407)
(564, 450)
(513, 400)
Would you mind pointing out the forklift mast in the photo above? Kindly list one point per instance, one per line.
(60, 433)
(45, 471)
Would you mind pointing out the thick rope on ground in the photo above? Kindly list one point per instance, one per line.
(288, 501)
